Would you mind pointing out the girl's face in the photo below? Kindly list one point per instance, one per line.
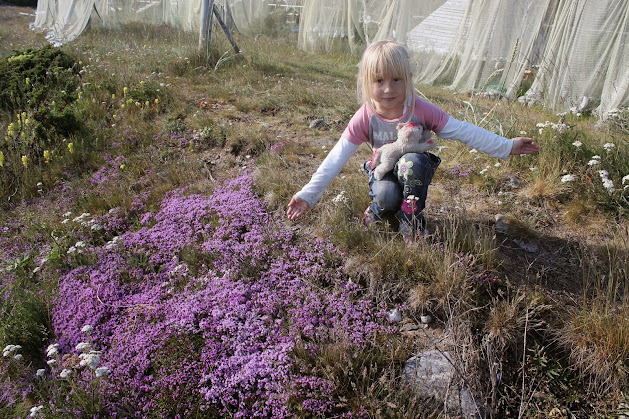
(389, 94)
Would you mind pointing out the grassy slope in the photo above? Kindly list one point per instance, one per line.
(268, 97)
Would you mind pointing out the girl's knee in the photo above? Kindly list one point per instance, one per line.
(428, 160)
(387, 195)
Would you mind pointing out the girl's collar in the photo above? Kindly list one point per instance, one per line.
(407, 106)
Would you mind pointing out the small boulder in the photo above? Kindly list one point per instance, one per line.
(318, 123)
(432, 374)
(502, 223)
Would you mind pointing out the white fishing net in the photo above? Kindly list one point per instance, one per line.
(564, 54)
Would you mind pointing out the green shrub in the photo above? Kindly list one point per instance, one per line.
(38, 88)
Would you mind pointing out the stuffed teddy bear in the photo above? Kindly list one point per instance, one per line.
(411, 138)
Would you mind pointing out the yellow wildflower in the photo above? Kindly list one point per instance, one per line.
(125, 90)
(11, 129)
(25, 161)
(27, 81)
(1, 159)
(47, 155)
(71, 148)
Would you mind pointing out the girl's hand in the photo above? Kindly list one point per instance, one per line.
(523, 145)
(296, 208)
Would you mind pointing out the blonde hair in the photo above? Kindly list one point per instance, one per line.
(383, 58)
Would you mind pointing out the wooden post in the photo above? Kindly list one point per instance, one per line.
(227, 33)
(208, 10)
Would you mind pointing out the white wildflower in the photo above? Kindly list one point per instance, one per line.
(66, 221)
(17, 357)
(51, 361)
(532, 168)
(577, 144)
(82, 346)
(35, 410)
(40, 372)
(596, 157)
(67, 214)
(52, 350)
(100, 371)
(71, 250)
(567, 178)
(340, 198)
(609, 184)
(11, 348)
(609, 146)
(91, 359)
(87, 328)
(96, 227)
(37, 269)
(498, 164)
(81, 217)
(603, 173)
(485, 170)
(80, 243)
(65, 373)
(472, 151)
(522, 132)
(625, 179)
(593, 162)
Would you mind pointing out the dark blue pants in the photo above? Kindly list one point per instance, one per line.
(403, 190)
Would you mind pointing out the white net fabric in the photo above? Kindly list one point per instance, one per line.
(561, 53)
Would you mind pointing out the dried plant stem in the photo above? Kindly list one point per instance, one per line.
(522, 403)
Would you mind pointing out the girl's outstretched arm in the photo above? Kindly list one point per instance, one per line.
(296, 208)
(523, 145)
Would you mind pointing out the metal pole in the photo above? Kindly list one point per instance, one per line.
(205, 12)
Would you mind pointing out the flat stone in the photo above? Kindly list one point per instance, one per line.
(432, 374)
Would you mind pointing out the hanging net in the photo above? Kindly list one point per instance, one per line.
(564, 54)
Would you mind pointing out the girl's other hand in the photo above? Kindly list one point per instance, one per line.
(296, 207)
(524, 145)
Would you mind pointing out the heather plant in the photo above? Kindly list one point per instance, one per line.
(253, 298)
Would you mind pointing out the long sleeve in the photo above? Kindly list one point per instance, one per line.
(477, 137)
(327, 171)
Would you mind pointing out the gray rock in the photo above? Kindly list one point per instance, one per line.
(501, 223)
(529, 247)
(394, 316)
(432, 374)
(318, 123)
(513, 182)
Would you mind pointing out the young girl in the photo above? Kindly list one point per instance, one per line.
(388, 98)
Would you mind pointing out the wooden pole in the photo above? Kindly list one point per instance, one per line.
(227, 33)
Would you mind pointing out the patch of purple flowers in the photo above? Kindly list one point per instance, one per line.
(109, 171)
(202, 307)
(460, 172)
